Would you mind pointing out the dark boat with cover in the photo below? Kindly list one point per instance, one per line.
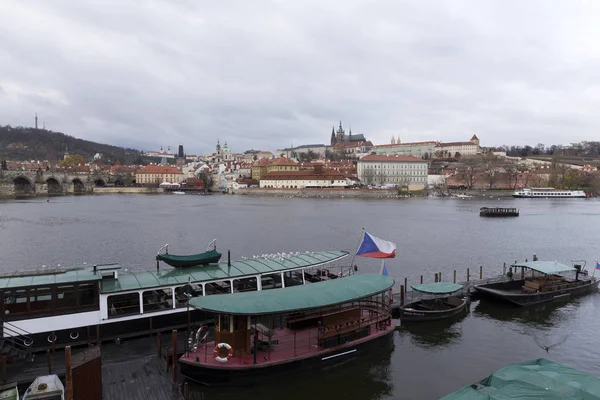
(446, 303)
(552, 283)
(210, 256)
(498, 212)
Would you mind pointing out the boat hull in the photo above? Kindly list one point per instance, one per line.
(409, 314)
(507, 292)
(249, 374)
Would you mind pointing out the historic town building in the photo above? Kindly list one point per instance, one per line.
(157, 174)
(316, 177)
(399, 171)
(451, 149)
(341, 137)
(418, 149)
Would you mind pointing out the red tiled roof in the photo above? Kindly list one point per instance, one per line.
(405, 144)
(303, 174)
(263, 162)
(379, 157)
(159, 169)
(474, 137)
(282, 161)
(353, 144)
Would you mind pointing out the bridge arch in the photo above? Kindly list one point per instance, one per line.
(78, 186)
(23, 186)
(54, 186)
(99, 182)
(119, 181)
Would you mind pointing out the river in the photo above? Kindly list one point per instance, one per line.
(432, 235)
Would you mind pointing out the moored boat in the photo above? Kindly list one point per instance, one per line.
(48, 387)
(309, 326)
(535, 379)
(9, 391)
(498, 212)
(447, 302)
(541, 193)
(210, 256)
(554, 282)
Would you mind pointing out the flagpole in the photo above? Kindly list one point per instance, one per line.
(595, 268)
(355, 251)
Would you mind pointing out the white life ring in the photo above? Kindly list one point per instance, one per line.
(217, 350)
(52, 338)
(28, 342)
(74, 335)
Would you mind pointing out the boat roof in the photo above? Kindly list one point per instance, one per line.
(134, 280)
(437, 287)
(296, 298)
(545, 267)
(535, 379)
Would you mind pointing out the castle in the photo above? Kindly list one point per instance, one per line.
(340, 137)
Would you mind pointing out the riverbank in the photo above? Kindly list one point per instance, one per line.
(327, 193)
(127, 190)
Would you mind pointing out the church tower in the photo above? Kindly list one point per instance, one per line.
(36, 124)
(340, 134)
(333, 136)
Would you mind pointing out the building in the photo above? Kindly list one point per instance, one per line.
(341, 137)
(399, 171)
(156, 174)
(266, 165)
(451, 149)
(318, 149)
(317, 177)
(424, 150)
(352, 149)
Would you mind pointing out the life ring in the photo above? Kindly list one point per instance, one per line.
(217, 350)
(74, 335)
(202, 334)
(52, 338)
(27, 342)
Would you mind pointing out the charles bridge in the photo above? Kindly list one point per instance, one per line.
(52, 183)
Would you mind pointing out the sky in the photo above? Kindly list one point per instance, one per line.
(267, 74)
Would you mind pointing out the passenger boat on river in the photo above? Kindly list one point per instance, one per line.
(310, 326)
(498, 212)
(447, 302)
(554, 282)
(76, 306)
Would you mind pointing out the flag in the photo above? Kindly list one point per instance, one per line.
(384, 270)
(597, 265)
(373, 247)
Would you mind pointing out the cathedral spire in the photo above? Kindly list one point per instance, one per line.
(36, 124)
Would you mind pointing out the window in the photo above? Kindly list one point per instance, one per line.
(40, 299)
(123, 304)
(222, 287)
(66, 296)
(181, 298)
(87, 293)
(244, 285)
(157, 300)
(15, 302)
(225, 322)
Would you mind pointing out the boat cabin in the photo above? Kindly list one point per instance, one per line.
(257, 330)
(437, 300)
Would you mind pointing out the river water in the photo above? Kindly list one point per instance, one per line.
(432, 235)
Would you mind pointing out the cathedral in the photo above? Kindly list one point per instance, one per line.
(340, 136)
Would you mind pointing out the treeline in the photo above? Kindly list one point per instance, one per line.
(24, 143)
(583, 149)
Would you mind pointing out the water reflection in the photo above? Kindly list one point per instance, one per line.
(366, 376)
(545, 315)
(435, 333)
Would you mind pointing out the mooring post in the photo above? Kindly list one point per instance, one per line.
(481, 272)
(68, 374)
(49, 360)
(468, 275)
(3, 359)
(435, 276)
(405, 285)
(401, 295)
(522, 273)
(158, 344)
(174, 356)
(439, 276)
(421, 279)
(167, 359)
(186, 391)
(504, 269)
(454, 276)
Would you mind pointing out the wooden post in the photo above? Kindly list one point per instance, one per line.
(522, 273)
(401, 295)
(454, 276)
(504, 269)
(186, 391)
(89, 336)
(421, 279)
(480, 272)
(439, 276)
(174, 355)
(167, 359)
(158, 344)
(3, 360)
(435, 276)
(405, 285)
(53, 341)
(68, 374)
(468, 275)
(97, 334)
(49, 362)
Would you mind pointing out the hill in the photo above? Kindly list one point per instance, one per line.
(21, 143)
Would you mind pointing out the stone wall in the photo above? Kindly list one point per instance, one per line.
(117, 189)
(325, 193)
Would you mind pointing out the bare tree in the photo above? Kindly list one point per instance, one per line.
(491, 168)
(367, 175)
(512, 173)
(468, 171)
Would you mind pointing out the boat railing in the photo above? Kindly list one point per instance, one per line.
(16, 337)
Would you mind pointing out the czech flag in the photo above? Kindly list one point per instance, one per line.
(373, 247)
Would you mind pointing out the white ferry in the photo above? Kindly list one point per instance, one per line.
(534, 193)
(76, 306)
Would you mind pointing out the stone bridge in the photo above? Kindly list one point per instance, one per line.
(50, 183)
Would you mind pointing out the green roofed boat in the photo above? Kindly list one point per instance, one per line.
(210, 256)
(536, 379)
(445, 303)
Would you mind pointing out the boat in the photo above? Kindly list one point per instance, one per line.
(9, 391)
(554, 282)
(58, 307)
(210, 256)
(445, 304)
(283, 330)
(498, 212)
(48, 387)
(534, 379)
(535, 193)
(178, 192)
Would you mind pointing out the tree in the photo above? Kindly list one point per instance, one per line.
(468, 171)
(72, 160)
(512, 173)
(368, 176)
(492, 168)
(207, 180)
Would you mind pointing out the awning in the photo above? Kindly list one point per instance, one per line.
(545, 267)
(437, 288)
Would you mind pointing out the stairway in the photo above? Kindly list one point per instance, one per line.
(13, 347)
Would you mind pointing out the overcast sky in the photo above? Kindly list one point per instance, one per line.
(265, 74)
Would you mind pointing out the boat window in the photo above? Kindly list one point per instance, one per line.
(244, 285)
(157, 300)
(123, 304)
(15, 301)
(222, 287)
(270, 281)
(224, 323)
(87, 294)
(180, 297)
(40, 299)
(66, 296)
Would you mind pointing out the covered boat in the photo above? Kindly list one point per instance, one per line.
(498, 212)
(549, 280)
(48, 387)
(210, 256)
(536, 379)
(447, 302)
(259, 334)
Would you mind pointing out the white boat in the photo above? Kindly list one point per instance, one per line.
(47, 387)
(178, 192)
(9, 392)
(534, 193)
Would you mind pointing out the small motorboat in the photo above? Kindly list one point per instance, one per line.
(446, 303)
(210, 256)
(48, 387)
(9, 391)
(178, 192)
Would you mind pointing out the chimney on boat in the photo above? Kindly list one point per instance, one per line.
(229, 258)
(577, 271)
(95, 268)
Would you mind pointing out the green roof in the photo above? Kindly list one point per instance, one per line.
(437, 287)
(135, 280)
(295, 298)
(536, 379)
(42, 278)
(545, 267)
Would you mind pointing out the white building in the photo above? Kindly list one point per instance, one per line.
(393, 170)
(318, 177)
(450, 149)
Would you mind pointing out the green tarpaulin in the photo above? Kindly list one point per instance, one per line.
(536, 379)
(545, 267)
(437, 287)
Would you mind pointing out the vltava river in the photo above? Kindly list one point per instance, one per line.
(432, 235)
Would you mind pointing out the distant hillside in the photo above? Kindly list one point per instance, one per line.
(38, 144)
